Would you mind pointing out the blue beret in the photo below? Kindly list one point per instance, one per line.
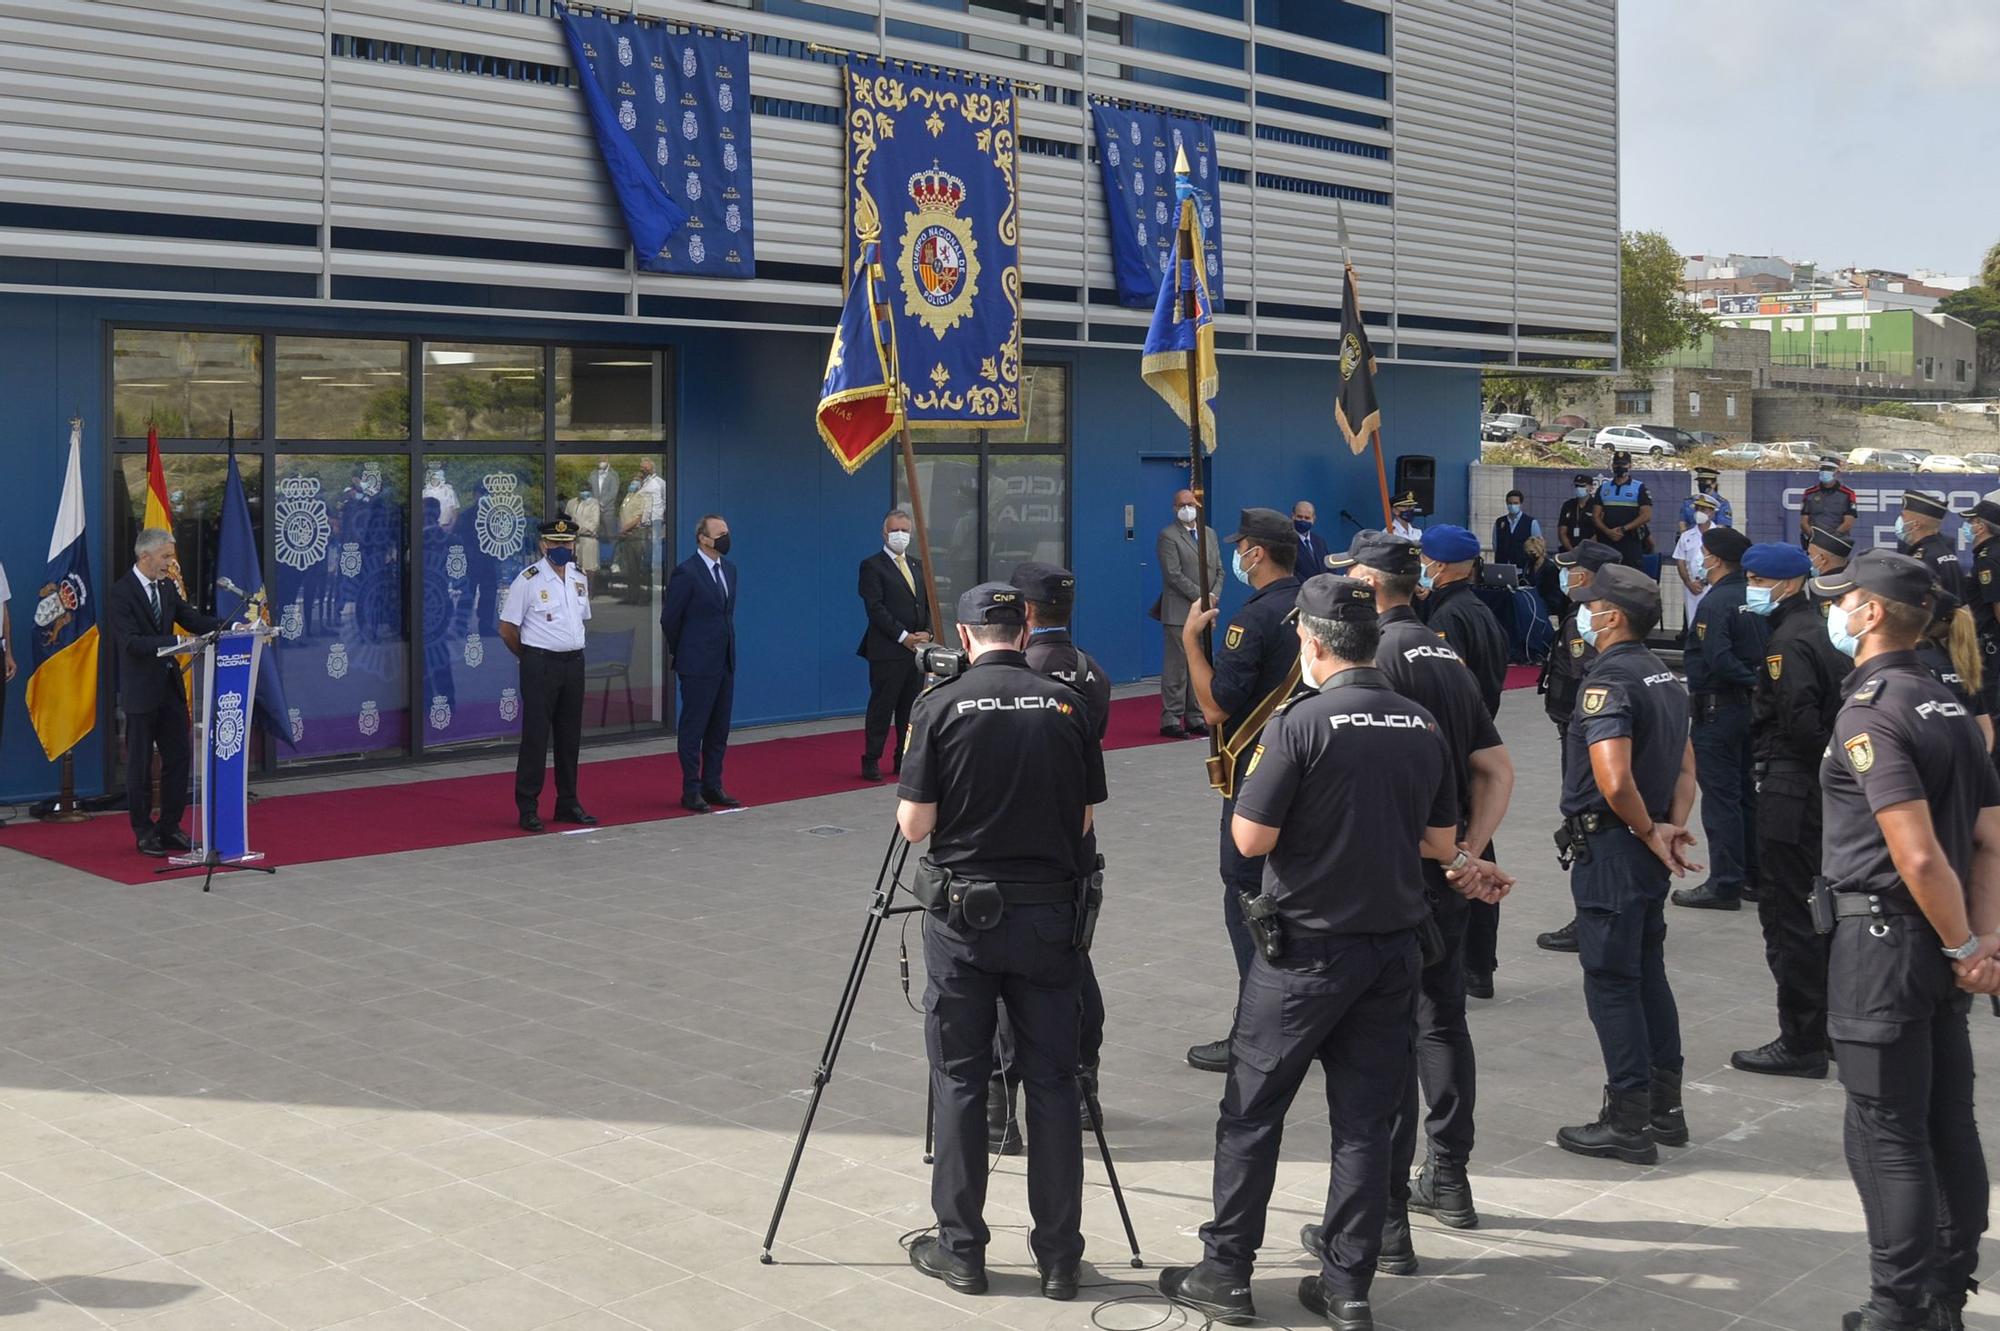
(1450, 545)
(1778, 560)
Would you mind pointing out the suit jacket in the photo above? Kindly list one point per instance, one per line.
(143, 677)
(893, 606)
(1312, 555)
(1180, 571)
(699, 621)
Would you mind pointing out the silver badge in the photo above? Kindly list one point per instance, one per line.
(510, 704)
(336, 661)
(370, 719)
(229, 725)
(475, 651)
(440, 712)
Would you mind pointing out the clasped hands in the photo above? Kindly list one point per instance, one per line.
(1481, 880)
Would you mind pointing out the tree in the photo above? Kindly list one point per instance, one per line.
(1655, 321)
(1989, 271)
(1980, 306)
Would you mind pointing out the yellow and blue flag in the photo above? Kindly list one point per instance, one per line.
(1174, 337)
(241, 597)
(62, 681)
(860, 402)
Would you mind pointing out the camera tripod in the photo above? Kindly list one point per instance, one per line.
(887, 880)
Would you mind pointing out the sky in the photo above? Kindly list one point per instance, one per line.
(1842, 131)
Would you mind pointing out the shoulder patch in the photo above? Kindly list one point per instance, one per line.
(1256, 756)
(1594, 700)
(1701, 631)
(1576, 647)
(1776, 665)
(1861, 752)
(531, 570)
(1234, 638)
(1868, 692)
(1985, 575)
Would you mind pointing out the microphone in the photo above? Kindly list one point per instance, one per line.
(1351, 518)
(223, 582)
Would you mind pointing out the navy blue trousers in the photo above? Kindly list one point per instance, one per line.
(706, 701)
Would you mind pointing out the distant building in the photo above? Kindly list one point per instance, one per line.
(1832, 342)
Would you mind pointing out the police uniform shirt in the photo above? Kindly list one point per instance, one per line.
(1568, 662)
(1900, 736)
(1008, 757)
(549, 606)
(1628, 693)
(1256, 652)
(1937, 663)
(1422, 667)
(1828, 506)
(1455, 611)
(1935, 553)
(1728, 647)
(1574, 522)
(1054, 653)
(1984, 593)
(1798, 689)
(1622, 502)
(1350, 776)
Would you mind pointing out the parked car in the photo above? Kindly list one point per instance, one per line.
(1508, 424)
(1881, 459)
(1580, 437)
(1984, 461)
(1681, 440)
(1947, 462)
(1550, 435)
(1742, 453)
(1571, 421)
(1802, 454)
(1635, 439)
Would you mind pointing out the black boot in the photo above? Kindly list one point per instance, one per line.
(1778, 1059)
(1340, 1314)
(1558, 940)
(1623, 1130)
(1947, 1312)
(1210, 1057)
(1399, 1255)
(1207, 1290)
(927, 1254)
(1868, 1318)
(1670, 1126)
(1443, 1192)
(1003, 1125)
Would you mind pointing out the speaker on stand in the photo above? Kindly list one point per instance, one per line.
(1416, 474)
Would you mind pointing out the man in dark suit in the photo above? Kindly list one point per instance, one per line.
(1313, 549)
(899, 624)
(145, 610)
(699, 619)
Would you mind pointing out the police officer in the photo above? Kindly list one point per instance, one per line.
(1917, 536)
(1791, 719)
(1404, 513)
(1724, 655)
(1707, 481)
(1912, 828)
(1349, 789)
(1452, 608)
(1828, 550)
(1982, 592)
(1621, 510)
(1001, 772)
(1627, 789)
(1423, 668)
(542, 624)
(1050, 595)
(1573, 524)
(1562, 676)
(1255, 668)
(1828, 506)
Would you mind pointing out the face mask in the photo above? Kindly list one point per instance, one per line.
(1236, 567)
(1306, 669)
(632, 489)
(1583, 492)
(1826, 478)
(722, 544)
(1562, 580)
(1757, 600)
(1836, 629)
(1902, 531)
(1702, 517)
(1301, 526)
(1964, 535)
(1425, 579)
(1586, 626)
(1185, 513)
(898, 541)
(1513, 510)
(560, 555)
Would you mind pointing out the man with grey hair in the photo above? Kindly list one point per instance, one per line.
(147, 613)
(899, 624)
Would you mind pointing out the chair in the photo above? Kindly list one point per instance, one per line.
(608, 656)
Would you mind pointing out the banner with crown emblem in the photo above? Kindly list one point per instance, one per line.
(931, 170)
(671, 112)
(1135, 154)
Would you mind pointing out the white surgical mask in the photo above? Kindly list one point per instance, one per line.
(1583, 492)
(1562, 580)
(1586, 626)
(1185, 513)
(1843, 641)
(1703, 517)
(1306, 669)
(1513, 510)
(1825, 477)
(1902, 531)
(1236, 567)
(897, 541)
(1757, 600)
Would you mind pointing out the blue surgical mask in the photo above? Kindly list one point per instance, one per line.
(1826, 478)
(1586, 627)
(1425, 580)
(1236, 567)
(1901, 530)
(1583, 492)
(1757, 600)
(1513, 510)
(560, 555)
(1562, 580)
(1836, 629)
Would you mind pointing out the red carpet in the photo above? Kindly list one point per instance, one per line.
(461, 810)
(1523, 677)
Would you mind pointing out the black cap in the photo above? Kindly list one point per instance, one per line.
(1407, 499)
(1384, 551)
(1584, 478)
(1725, 543)
(1924, 503)
(992, 603)
(1329, 596)
(561, 531)
(1621, 461)
(1887, 574)
(1266, 526)
(1592, 555)
(1044, 584)
(1986, 510)
(1832, 542)
(1708, 473)
(1625, 588)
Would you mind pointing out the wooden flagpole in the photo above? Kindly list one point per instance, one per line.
(1191, 311)
(881, 314)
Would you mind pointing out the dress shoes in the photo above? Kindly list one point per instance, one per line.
(1340, 1314)
(1173, 732)
(1479, 984)
(1210, 1057)
(1559, 940)
(1778, 1059)
(149, 844)
(531, 821)
(721, 799)
(172, 838)
(1706, 897)
(575, 813)
(1197, 728)
(694, 803)
(1222, 1298)
(1060, 1282)
(927, 1254)
(871, 770)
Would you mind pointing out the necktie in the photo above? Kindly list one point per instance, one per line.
(903, 567)
(153, 588)
(721, 586)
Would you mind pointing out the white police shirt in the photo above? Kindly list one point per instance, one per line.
(549, 606)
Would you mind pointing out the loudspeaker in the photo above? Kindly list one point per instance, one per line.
(1416, 473)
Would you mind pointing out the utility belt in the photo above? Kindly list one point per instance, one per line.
(971, 903)
(1270, 932)
(1829, 907)
(1706, 704)
(544, 651)
(1573, 834)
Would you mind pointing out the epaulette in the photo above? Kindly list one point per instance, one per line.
(1868, 692)
(531, 570)
(1282, 707)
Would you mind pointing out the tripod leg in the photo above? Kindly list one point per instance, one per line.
(1110, 1171)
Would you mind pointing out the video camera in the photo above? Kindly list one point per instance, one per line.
(940, 662)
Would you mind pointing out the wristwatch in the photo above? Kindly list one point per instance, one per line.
(1461, 861)
(1963, 950)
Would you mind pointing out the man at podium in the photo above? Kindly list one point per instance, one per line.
(147, 612)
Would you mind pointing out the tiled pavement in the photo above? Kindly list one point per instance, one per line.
(554, 1083)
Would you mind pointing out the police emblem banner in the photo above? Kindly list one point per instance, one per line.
(671, 114)
(1135, 155)
(931, 169)
(233, 688)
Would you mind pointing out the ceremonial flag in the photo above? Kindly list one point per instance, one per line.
(1137, 152)
(1173, 337)
(241, 598)
(62, 680)
(860, 402)
(160, 514)
(1356, 410)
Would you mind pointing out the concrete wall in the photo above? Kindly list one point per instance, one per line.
(1782, 415)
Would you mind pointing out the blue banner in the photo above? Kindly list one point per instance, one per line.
(242, 598)
(931, 170)
(1135, 154)
(671, 112)
(228, 755)
(1773, 500)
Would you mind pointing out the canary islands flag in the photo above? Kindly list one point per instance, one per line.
(62, 683)
(1174, 337)
(860, 402)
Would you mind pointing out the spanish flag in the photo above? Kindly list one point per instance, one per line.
(62, 683)
(160, 513)
(860, 402)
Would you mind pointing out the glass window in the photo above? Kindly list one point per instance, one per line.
(476, 391)
(479, 531)
(1335, 74)
(1694, 402)
(1335, 21)
(1729, 405)
(1027, 509)
(340, 539)
(950, 486)
(188, 385)
(605, 393)
(1044, 408)
(619, 501)
(343, 388)
(194, 491)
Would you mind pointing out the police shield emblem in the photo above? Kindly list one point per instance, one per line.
(1594, 700)
(1576, 647)
(1701, 632)
(1256, 756)
(1985, 576)
(1234, 638)
(1861, 752)
(1775, 664)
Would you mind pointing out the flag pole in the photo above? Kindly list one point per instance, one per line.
(1375, 436)
(880, 313)
(68, 808)
(1191, 311)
